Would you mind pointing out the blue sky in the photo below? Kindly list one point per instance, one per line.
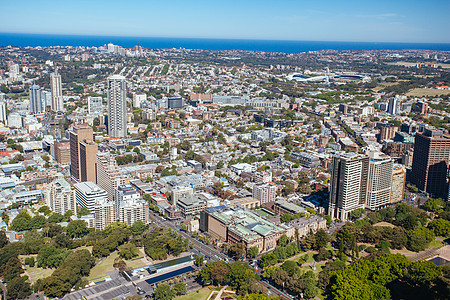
(323, 20)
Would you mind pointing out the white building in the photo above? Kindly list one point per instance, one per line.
(117, 106)
(379, 181)
(265, 192)
(95, 106)
(60, 197)
(36, 106)
(138, 99)
(263, 177)
(88, 194)
(242, 167)
(3, 118)
(57, 97)
(15, 120)
(105, 214)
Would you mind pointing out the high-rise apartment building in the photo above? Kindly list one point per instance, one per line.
(387, 131)
(62, 151)
(379, 181)
(56, 88)
(138, 99)
(394, 105)
(109, 176)
(117, 106)
(36, 106)
(348, 184)
(60, 197)
(82, 157)
(422, 108)
(398, 183)
(265, 193)
(430, 162)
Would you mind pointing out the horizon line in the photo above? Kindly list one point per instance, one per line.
(213, 38)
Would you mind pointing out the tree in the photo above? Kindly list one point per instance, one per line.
(77, 229)
(321, 239)
(18, 288)
(45, 210)
(419, 238)
(179, 289)
(199, 261)
(120, 264)
(82, 211)
(434, 205)
(163, 292)
(440, 227)
(3, 239)
(138, 227)
(128, 251)
(252, 252)
(237, 250)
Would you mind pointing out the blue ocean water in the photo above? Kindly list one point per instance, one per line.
(33, 40)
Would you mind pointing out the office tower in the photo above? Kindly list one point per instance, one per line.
(82, 164)
(109, 176)
(57, 98)
(89, 195)
(398, 183)
(95, 105)
(88, 159)
(175, 102)
(265, 193)
(138, 99)
(117, 106)
(343, 108)
(379, 181)
(3, 109)
(430, 162)
(387, 131)
(348, 184)
(36, 106)
(422, 108)
(60, 197)
(62, 151)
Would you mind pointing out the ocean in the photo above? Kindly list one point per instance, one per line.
(43, 40)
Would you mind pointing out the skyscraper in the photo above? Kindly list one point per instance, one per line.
(36, 106)
(394, 105)
(348, 184)
(3, 109)
(82, 154)
(379, 181)
(117, 106)
(430, 162)
(57, 98)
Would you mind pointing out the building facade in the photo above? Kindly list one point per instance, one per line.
(56, 88)
(379, 181)
(117, 106)
(60, 197)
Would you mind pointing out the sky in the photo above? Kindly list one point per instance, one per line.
(323, 20)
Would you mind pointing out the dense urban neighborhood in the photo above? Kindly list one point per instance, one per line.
(138, 173)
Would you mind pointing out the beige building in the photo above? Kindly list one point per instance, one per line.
(105, 214)
(62, 151)
(398, 183)
(109, 176)
(88, 159)
(305, 225)
(246, 202)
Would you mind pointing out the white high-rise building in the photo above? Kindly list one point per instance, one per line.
(394, 105)
(57, 98)
(3, 110)
(95, 105)
(138, 99)
(15, 120)
(379, 181)
(36, 106)
(60, 197)
(117, 106)
(109, 176)
(46, 99)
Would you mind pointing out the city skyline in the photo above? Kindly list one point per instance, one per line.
(398, 21)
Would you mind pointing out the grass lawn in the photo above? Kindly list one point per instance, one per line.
(435, 244)
(421, 92)
(200, 294)
(38, 273)
(102, 268)
(384, 224)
